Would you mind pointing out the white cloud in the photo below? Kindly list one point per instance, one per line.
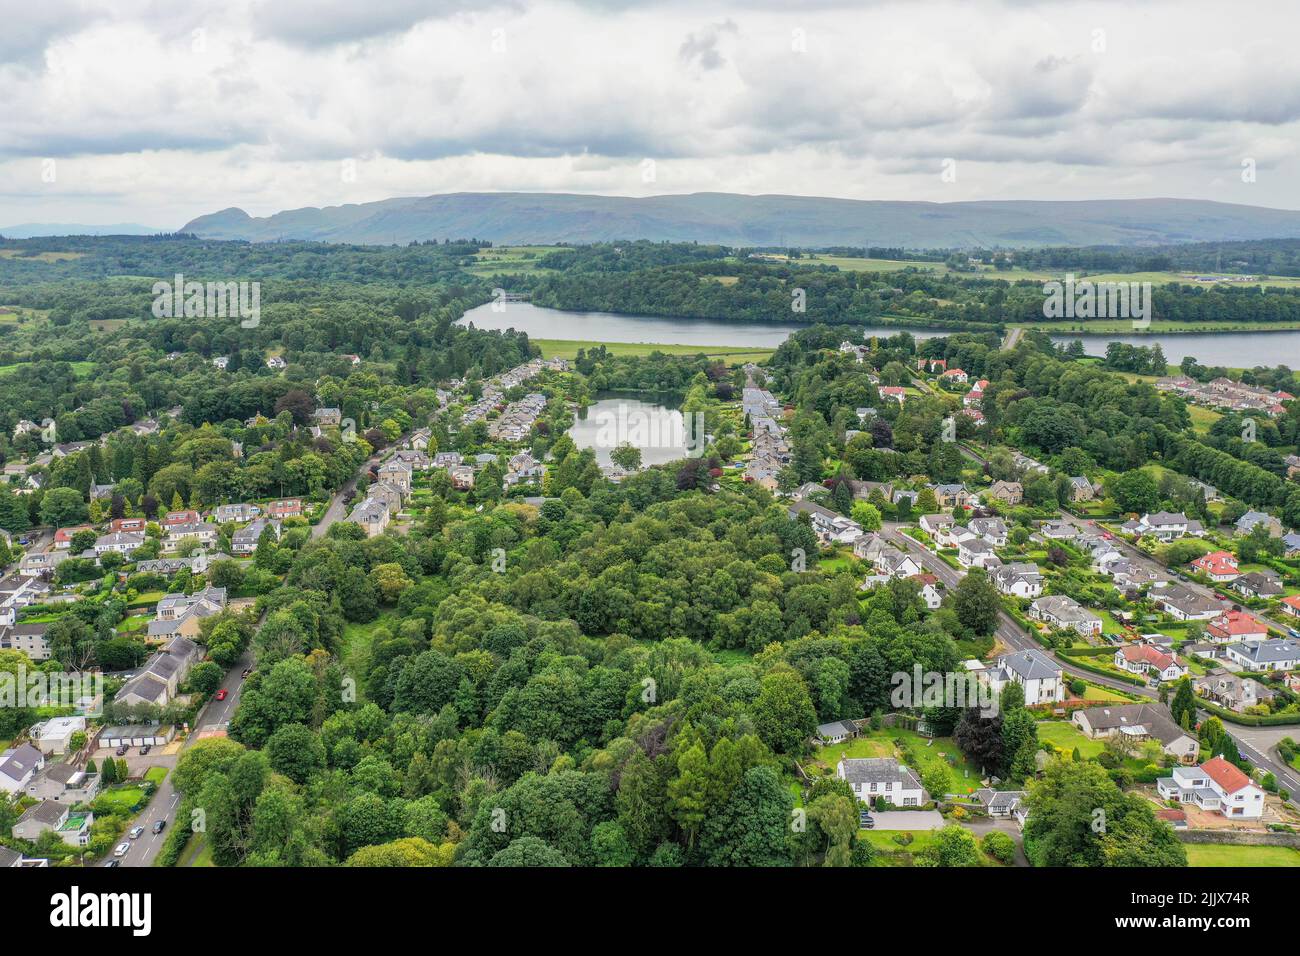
(159, 112)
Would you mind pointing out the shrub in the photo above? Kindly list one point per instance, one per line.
(999, 846)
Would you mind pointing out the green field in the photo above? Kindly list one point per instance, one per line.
(509, 259)
(941, 751)
(731, 354)
(355, 652)
(1221, 854)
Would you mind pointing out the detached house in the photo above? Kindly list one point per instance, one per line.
(976, 553)
(1218, 566)
(1259, 584)
(372, 515)
(18, 766)
(1139, 722)
(1060, 610)
(1008, 492)
(882, 777)
(1033, 670)
(244, 541)
(1233, 626)
(1022, 580)
(1185, 604)
(1215, 786)
(1150, 661)
(1272, 655)
(72, 828)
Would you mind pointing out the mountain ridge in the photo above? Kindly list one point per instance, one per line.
(761, 220)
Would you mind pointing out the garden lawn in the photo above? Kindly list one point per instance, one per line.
(1222, 854)
(357, 638)
(119, 800)
(1065, 736)
(156, 775)
(929, 753)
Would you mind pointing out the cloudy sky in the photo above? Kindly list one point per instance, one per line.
(153, 111)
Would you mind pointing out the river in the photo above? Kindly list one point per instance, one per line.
(1229, 349)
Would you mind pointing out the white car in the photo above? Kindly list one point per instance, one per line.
(136, 832)
(122, 849)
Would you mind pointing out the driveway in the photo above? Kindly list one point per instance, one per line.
(908, 820)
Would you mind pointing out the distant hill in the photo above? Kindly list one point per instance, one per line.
(730, 219)
(35, 230)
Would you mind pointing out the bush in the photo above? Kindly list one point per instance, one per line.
(999, 846)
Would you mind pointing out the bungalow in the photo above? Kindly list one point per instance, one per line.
(1259, 584)
(955, 375)
(830, 527)
(1060, 610)
(1291, 605)
(185, 516)
(1022, 580)
(836, 732)
(894, 393)
(276, 362)
(63, 537)
(1057, 530)
(1033, 670)
(1184, 604)
(1216, 786)
(1233, 626)
(882, 777)
(1008, 492)
(1218, 566)
(1145, 659)
(1139, 722)
(128, 524)
(1003, 803)
(72, 828)
(1270, 655)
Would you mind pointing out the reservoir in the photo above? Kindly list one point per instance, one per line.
(1229, 349)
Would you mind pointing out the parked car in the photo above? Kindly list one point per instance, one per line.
(136, 833)
(158, 826)
(145, 749)
(121, 751)
(122, 849)
(865, 821)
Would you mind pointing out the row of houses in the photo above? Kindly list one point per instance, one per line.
(770, 448)
(1227, 394)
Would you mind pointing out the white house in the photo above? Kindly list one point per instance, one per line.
(975, 553)
(1022, 580)
(1216, 786)
(52, 736)
(992, 530)
(876, 777)
(1166, 525)
(17, 767)
(1033, 670)
(1271, 655)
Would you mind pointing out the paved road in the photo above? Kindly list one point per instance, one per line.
(215, 716)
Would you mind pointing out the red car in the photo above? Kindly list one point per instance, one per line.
(221, 694)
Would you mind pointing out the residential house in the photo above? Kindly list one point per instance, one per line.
(1003, 803)
(836, 732)
(1060, 610)
(18, 765)
(1139, 722)
(1184, 604)
(1231, 690)
(63, 537)
(133, 525)
(1251, 519)
(244, 541)
(276, 362)
(1234, 626)
(122, 542)
(937, 526)
(52, 736)
(372, 514)
(157, 682)
(1148, 660)
(992, 530)
(1033, 670)
(1058, 530)
(327, 416)
(65, 783)
(241, 511)
(462, 477)
(1166, 525)
(1216, 786)
(829, 526)
(1021, 579)
(72, 828)
(893, 393)
(185, 516)
(1269, 655)
(1008, 492)
(882, 778)
(1259, 584)
(202, 533)
(955, 375)
(951, 496)
(1218, 566)
(1081, 489)
(1291, 605)
(976, 553)
(398, 473)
